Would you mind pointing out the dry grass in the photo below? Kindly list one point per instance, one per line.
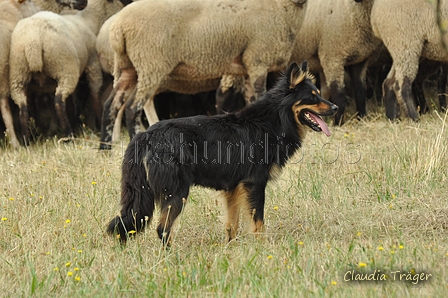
(373, 196)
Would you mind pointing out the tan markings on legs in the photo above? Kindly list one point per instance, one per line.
(234, 200)
(256, 226)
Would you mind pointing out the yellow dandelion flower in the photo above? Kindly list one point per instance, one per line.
(79, 250)
(132, 232)
(40, 197)
(84, 235)
(48, 252)
(65, 226)
(392, 252)
(358, 234)
(76, 269)
(300, 243)
(401, 247)
(56, 269)
(68, 264)
(11, 199)
(412, 271)
(275, 207)
(269, 257)
(361, 264)
(446, 254)
(4, 219)
(184, 274)
(334, 283)
(93, 182)
(380, 248)
(77, 278)
(118, 236)
(390, 206)
(67, 221)
(393, 196)
(69, 273)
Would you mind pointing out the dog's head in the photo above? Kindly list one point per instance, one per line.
(307, 104)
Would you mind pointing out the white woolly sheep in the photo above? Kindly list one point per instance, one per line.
(11, 12)
(192, 41)
(60, 47)
(335, 35)
(409, 30)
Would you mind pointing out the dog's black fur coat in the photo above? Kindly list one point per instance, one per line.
(237, 153)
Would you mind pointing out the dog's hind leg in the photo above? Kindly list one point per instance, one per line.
(171, 207)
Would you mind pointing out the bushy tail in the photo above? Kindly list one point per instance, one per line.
(137, 199)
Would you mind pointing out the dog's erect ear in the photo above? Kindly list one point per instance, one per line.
(298, 73)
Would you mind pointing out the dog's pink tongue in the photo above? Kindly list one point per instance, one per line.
(321, 123)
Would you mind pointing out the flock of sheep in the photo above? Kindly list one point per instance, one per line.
(191, 46)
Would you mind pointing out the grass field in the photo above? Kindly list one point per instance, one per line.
(371, 197)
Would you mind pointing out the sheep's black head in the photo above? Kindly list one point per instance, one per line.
(306, 102)
(73, 4)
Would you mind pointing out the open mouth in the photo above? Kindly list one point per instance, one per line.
(314, 121)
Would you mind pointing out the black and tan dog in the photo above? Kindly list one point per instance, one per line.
(237, 153)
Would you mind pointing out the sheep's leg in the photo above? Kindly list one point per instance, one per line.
(150, 112)
(358, 76)
(441, 86)
(390, 100)
(19, 97)
(7, 119)
(134, 108)
(95, 79)
(406, 69)
(231, 89)
(61, 112)
(324, 90)
(117, 125)
(334, 74)
(403, 91)
(256, 85)
(121, 92)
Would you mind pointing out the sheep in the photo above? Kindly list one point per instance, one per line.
(60, 47)
(191, 42)
(335, 35)
(11, 12)
(409, 30)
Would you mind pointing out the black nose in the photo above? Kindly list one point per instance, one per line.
(334, 108)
